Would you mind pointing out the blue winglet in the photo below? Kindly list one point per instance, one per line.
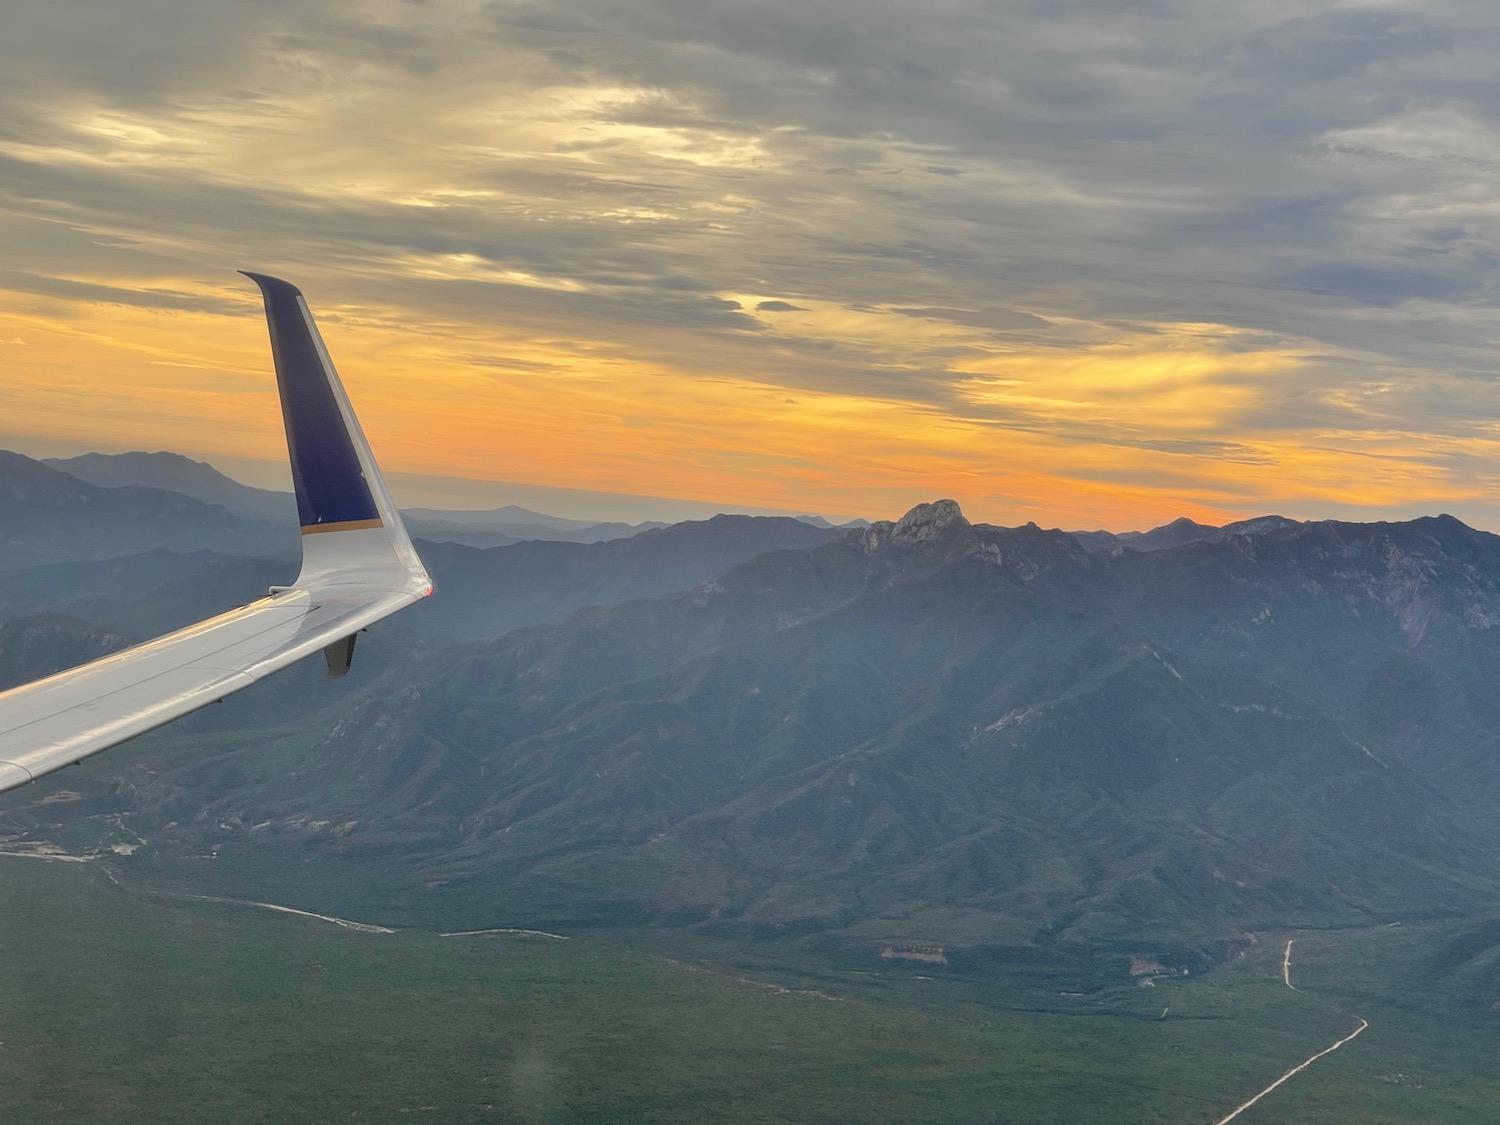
(332, 492)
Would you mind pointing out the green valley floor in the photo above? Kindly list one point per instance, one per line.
(120, 1006)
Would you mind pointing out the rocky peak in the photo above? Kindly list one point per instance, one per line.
(924, 525)
(926, 522)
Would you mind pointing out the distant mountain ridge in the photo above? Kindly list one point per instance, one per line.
(487, 593)
(173, 472)
(489, 519)
(48, 515)
(511, 524)
(1178, 533)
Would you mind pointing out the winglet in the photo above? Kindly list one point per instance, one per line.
(358, 567)
(349, 523)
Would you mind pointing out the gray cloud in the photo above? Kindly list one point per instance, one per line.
(21, 282)
(1042, 176)
(988, 318)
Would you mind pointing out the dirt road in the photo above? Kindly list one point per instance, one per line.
(1286, 977)
(1295, 1070)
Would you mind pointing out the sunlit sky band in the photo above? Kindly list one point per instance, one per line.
(1070, 263)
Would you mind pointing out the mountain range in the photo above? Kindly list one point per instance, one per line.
(495, 527)
(995, 740)
(48, 515)
(922, 729)
(172, 472)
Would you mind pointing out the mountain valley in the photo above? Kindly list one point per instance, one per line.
(925, 762)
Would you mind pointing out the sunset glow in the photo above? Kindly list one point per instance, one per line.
(687, 257)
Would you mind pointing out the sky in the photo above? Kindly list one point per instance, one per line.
(1092, 263)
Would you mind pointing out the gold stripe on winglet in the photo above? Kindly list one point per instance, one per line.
(347, 525)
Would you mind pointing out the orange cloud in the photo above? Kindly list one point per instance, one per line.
(1072, 445)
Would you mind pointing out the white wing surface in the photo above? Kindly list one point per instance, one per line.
(358, 566)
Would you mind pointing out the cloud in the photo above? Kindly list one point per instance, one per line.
(19, 282)
(991, 318)
(956, 193)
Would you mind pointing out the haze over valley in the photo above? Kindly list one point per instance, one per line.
(920, 761)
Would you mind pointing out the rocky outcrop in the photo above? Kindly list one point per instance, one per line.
(924, 525)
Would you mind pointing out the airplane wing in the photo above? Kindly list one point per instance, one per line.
(358, 566)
